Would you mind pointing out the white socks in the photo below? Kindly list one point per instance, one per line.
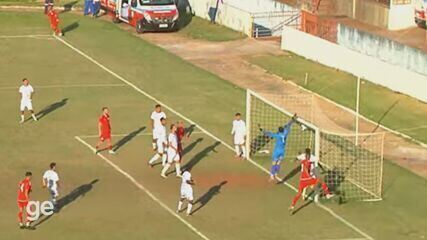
(34, 117)
(189, 208)
(22, 118)
(164, 157)
(179, 206)
(154, 145)
(237, 150)
(178, 169)
(240, 151)
(154, 158)
(165, 169)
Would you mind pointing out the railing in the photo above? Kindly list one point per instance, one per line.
(269, 24)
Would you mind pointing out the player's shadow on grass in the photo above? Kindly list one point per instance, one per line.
(207, 197)
(50, 108)
(189, 130)
(68, 199)
(290, 175)
(127, 138)
(191, 146)
(70, 27)
(199, 156)
(306, 204)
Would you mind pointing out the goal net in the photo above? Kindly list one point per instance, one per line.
(352, 165)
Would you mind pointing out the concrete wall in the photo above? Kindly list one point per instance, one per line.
(339, 57)
(383, 49)
(227, 15)
(393, 17)
(238, 14)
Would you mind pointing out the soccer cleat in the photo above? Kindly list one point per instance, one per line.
(163, 176)
(150, 165)
(111, 152)
(329, 195)
(179, 176)
(30, 228)
(21, 122)
(188, 214)
(291, 210)
(21, 226)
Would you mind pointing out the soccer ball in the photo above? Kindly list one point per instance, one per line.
(266, 151)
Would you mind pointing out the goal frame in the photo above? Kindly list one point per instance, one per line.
(250, 93)
(317, 140)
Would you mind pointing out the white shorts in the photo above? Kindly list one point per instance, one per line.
(26, 104)
(239, 139)
(187, 193)
(173, 156)
(160, 147)
(155, 133)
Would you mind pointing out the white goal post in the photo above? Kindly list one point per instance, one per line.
(351, 170)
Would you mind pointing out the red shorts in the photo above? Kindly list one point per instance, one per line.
(308, 182)
(105, 135)
(22, 204)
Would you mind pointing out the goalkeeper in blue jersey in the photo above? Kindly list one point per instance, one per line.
(279, 151)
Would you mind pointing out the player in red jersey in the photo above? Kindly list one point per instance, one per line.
(24, 190)
(307, 179)
(54, 20)
(180, 134)
(104, 129)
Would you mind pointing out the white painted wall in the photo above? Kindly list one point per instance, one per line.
(401, 16)
(339, 57)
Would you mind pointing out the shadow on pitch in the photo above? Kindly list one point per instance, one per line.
(52, 107)
(207, 197)
(127, 138)
(70, 27)
(191, 146)
(68, 199)
(306, 204)
(290, 175)
(199, 156)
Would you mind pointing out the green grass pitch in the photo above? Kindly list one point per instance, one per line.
(102, 203)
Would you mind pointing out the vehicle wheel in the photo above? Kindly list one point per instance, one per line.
(139, 27)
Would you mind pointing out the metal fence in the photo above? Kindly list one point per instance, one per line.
(270, 24)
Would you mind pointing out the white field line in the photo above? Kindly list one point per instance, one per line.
(68, 86)
(140, 186)
(126, 134)
(336, 216)
(345, 108)
(26, 36)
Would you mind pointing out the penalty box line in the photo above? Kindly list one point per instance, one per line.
(127, 134)
(144, 189)
(37, 36)
(330, 211)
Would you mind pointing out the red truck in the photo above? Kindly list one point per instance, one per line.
(144, 15)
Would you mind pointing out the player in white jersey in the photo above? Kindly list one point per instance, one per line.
(186, 192)
(51, 181)
(27, 92)
(239, 136)
(172, 153)
(314, 170)
(156, 117)
(161, 143)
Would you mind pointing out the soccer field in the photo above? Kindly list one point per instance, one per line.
(120, 197)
